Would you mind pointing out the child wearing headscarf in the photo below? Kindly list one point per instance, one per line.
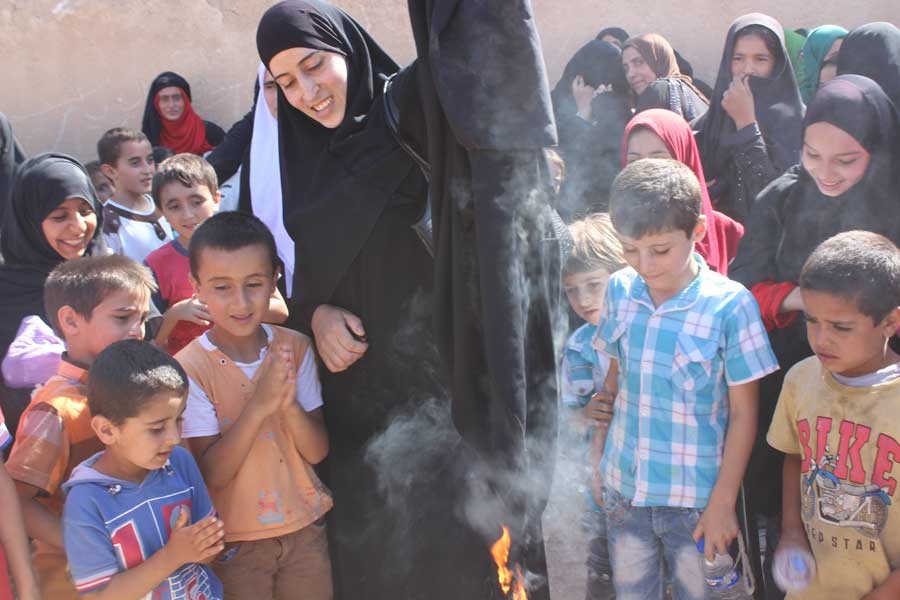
(819, 51)
(752, 131)
(170, 120)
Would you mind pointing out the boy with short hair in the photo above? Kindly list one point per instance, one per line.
(837, 422)
(90, 303)
(138, 520)
(185, 190)
(254, 421)
(102, 185)
(132, 224)
(596, 254)
(689, 346)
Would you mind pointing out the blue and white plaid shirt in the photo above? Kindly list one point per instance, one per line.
(583, 368)
(676, 362)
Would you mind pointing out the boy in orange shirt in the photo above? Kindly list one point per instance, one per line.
(254, 421)
(91, 303)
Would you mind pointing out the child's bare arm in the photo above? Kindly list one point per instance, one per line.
(307, 431)
(187, 544)
(791, 522)
(190, 309)
(40, 523)
(278, 310)
(719, 523)
(220, 456)
(15, 541)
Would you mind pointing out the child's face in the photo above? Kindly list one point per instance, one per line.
(70, 227)
(133, 172)
(751, 57)
(663, 260)
(186, 207)
(120, 316)
(236, 286)
(145, 441)
(643, 143)
(585, 292)
(102, 185)
(833, 158)
(846, 341)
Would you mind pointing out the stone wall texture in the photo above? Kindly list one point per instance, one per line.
(70, 69)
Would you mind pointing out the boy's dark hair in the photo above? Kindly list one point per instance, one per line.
(595, 246)
(128, 373)
(856, 265)
(186, 169)
(231, 230)
(655, 195)
(83, 283)
(161, 153)
(109, 148)
(93, 168)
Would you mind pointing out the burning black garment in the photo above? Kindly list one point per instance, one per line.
(792, 217)
(743, 162)
(873, 50)
(590, 149)
(398, 467)
(11, 156)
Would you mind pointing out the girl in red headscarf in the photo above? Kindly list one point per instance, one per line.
(660, 133)
(170, 120)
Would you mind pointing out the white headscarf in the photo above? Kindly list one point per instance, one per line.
(265, 180)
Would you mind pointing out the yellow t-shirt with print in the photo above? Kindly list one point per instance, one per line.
(848, 439)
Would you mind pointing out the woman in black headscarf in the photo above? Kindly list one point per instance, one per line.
(11, 156)
(752, 131)
(170, 120)
(590, 104)
(54, 216)
(848, 179)
(401, 474)
(873, 50)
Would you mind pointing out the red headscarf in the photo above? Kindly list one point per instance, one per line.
(187, 134)
(719, 245)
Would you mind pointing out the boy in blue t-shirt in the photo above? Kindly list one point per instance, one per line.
(689, 347)
(138, 519)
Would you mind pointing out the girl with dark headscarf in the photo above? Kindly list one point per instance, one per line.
(660, 133)
(170, 120)
(848, 179)
(11, 156)
(819, 56)
(590, 104)
(752, 132)
(54, 216)
(873, 50)
(399, 470)
(656, 81)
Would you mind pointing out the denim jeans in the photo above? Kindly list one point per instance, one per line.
(645, 542)
(599, 571)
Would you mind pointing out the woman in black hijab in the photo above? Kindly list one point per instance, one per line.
(11, 156)
(873, 50)
(54, 215)
(590, 104)
(848, 179)
(752, 131)
(178, 128)
(405, 522)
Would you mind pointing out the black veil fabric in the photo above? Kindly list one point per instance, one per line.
(151, 124)
(779, 108)
(873, 50)
(11, 156)
(42, 183)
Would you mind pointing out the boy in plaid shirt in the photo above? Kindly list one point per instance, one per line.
(689, 346)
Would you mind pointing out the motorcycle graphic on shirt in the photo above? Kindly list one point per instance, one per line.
(864, 508)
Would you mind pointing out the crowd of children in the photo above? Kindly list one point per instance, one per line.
(734, 285)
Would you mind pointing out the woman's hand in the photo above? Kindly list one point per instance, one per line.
(583, 94)
(340, 337)
(738, 103)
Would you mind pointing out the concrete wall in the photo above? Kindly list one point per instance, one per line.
(73, 68)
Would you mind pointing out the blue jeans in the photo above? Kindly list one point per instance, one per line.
(644, 542)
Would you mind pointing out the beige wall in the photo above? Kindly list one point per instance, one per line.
(70, 69)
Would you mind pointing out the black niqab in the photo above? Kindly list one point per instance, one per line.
(616, 32)
(873, 50)
(779, 108)
(41, 185)
(151, 124)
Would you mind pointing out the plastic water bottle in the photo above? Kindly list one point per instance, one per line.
(794, 569)
(723, 580)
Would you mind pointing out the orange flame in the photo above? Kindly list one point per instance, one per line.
(500, 552)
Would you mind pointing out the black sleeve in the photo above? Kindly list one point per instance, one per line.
(226, 158)
(214, 133)
(754, 165)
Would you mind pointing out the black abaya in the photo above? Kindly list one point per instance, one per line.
(11, 156)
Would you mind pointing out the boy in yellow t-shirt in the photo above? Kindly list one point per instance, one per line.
(838, 422)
